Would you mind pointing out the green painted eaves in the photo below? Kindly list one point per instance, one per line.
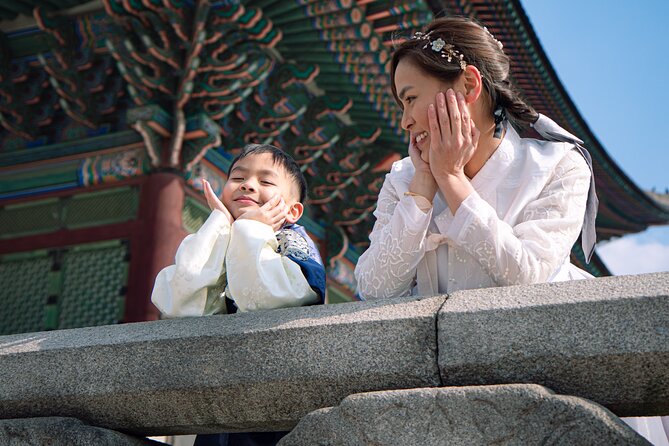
(69, 148)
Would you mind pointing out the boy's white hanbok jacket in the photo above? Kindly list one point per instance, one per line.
(246, 262)
(518, 227)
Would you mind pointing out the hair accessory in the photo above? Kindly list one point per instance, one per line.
(446, 50)
(500, 116)
(500, 45)
(553, 132)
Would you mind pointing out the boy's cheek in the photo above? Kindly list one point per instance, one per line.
(227, 202)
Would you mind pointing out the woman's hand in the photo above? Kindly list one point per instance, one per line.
(214, 202)
(453, 135)
(423, 182)
(453, 141)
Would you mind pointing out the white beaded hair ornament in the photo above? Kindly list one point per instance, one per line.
(500, 45)
(446, 50)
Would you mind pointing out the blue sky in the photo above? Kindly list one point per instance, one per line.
(611, 57)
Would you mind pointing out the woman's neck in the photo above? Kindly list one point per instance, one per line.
(486, 146)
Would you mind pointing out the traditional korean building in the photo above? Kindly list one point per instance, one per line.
(112, 112)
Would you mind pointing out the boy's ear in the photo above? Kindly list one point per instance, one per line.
(295, 211)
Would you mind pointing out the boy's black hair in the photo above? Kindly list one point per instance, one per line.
(279, 157)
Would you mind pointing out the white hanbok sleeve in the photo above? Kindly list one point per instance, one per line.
(193, 285)
(397, 244)
(533, 249)
(259, 278)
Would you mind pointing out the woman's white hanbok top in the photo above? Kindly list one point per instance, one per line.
(518, 227)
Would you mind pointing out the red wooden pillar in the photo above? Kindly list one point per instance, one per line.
(154, 242)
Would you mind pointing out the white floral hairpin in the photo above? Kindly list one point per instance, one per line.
(446, 50)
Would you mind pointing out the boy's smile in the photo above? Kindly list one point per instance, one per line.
(245, 199)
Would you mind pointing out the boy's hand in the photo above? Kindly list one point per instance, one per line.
(214, 202)
(272, 213)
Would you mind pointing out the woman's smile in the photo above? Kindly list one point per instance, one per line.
(421, 137)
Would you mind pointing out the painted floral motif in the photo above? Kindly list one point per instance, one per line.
(112, 167)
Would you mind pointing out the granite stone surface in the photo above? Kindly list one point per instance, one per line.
(605, 339)
(451, 416)
(254, 371)
(55, 431)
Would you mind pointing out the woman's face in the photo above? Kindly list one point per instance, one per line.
(416, 91)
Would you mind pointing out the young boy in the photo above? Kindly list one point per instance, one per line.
(249, 255)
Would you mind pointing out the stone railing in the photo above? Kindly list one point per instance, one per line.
(468, 357)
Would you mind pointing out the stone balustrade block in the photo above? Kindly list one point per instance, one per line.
(58, 431)
(253, 371)
(604, 339)
(514, 414)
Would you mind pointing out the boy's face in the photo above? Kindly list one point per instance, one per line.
(253, 181)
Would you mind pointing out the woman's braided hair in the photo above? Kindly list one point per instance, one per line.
(479, 48)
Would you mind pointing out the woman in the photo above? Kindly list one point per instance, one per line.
(474, 205)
